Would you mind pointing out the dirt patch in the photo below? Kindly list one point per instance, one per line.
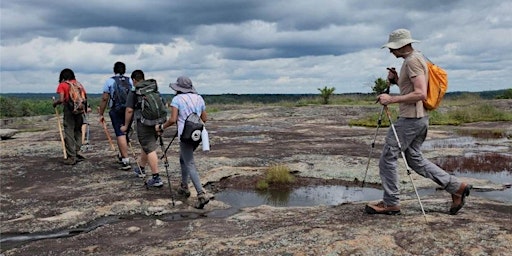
(107, 211)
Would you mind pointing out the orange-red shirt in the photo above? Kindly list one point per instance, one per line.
(63, 87)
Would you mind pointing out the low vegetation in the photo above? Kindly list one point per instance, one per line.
(276, 174)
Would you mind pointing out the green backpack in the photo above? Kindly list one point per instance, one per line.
(150, 103)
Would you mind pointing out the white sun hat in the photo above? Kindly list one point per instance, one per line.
(399, 38)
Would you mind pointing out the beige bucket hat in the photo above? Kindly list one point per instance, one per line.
(399, 38)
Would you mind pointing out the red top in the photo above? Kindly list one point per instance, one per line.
(64, 88)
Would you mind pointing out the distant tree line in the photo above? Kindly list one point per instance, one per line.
(32, 104)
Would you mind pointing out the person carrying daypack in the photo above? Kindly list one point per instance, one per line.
(73, 96)
(186, 108)
(145, 105)
(411, 130)
(115, 93)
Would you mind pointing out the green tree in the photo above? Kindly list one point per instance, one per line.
(326, 94)
(379, 86)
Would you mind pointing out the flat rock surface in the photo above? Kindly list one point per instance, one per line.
(93, 208)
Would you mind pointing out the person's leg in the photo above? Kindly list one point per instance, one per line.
(69, 136)
(388, 170)
(188, 167)
(117, 119)
(78, 132)
(425, 167)
(148, 141)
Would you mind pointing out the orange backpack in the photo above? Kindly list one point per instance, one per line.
(77, 99)
(437, 85)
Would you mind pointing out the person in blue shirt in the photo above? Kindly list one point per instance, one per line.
(115, 91)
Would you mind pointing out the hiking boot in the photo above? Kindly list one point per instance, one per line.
(382, 208)
(155, 182)
(141, 173)
(183, 191)
(459, 198)
(69, 161)
(203, 199)
(79, 158)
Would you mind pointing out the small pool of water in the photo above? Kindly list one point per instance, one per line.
(335, 195)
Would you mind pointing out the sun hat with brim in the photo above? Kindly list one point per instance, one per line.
(183, 84)
(399, 38)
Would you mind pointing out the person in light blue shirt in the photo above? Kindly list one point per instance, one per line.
(115, 91)
(185, 102)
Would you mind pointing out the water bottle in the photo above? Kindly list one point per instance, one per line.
(205, 140)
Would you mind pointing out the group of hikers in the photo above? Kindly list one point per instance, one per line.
(404, 138)
(133, 100)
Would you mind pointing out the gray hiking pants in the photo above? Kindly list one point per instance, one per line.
(188, 166)
(411, 133)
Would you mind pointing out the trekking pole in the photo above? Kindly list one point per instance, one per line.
(60, 131)
(166, 164)
(379, 123)
(168, 146)
(405, 161)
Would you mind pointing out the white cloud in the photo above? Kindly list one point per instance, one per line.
(227, 46)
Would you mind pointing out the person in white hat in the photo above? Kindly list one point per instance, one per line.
(411, 127)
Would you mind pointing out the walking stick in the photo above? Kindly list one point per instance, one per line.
(60, 132)
(166, 164)
(405, 161)
(379, 123)
(108, 135)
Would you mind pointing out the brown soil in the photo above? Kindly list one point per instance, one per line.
(107, 211)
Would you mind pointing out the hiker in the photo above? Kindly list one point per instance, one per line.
(411, 128)
(85, 127)
(146, 134)
(115, 91)
(72, 121)
(185, 102)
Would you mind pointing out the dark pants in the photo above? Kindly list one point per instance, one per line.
(72, 132)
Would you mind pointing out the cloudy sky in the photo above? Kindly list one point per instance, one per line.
(250, 46)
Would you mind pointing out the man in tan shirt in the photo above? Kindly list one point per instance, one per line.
(411, 127)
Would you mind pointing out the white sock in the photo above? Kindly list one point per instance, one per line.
(126, 160)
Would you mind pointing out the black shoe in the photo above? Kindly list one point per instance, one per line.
(80, 158)
(69, 161)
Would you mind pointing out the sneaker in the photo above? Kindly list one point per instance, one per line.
(202, 200)
(459, 198)
(141, 173)
(382, 208)
(125, 167)
(183, 191)
(69, 161)
(154, 182)
(119, 159)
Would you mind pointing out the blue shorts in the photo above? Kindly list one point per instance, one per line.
(117, 118)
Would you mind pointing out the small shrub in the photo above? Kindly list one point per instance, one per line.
(279, 174)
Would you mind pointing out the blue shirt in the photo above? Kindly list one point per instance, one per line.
(108, 87)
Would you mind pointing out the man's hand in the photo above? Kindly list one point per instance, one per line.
(124, 128)
(392, 75)
(385, 99)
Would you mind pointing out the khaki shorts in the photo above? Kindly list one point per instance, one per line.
(148, 138)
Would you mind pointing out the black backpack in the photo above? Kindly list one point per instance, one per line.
(121, 89)
(150, 103)
(192, 130)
